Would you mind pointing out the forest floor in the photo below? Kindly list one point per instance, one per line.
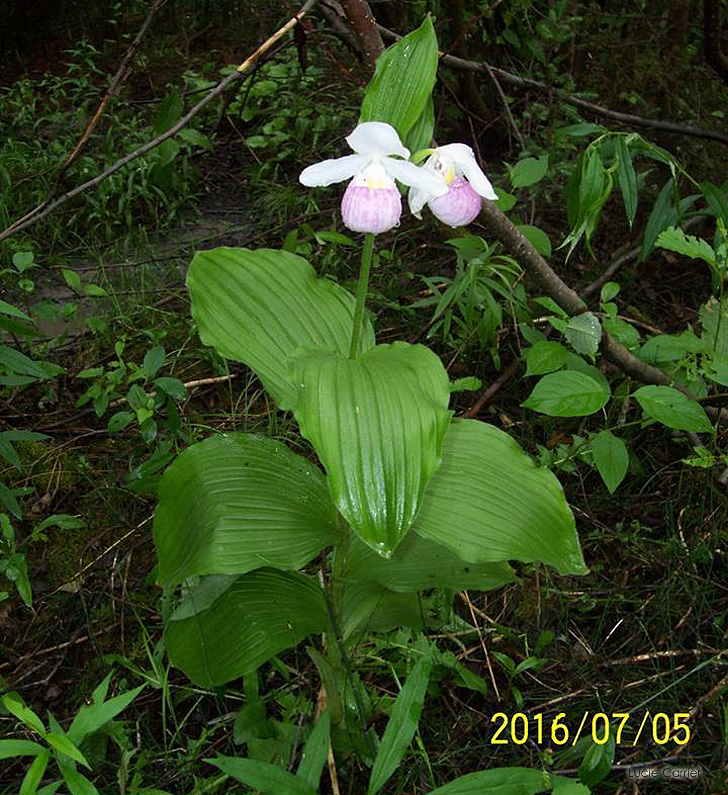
(643, 634)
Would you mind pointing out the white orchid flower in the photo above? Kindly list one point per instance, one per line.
(372, 202)
(466, 185)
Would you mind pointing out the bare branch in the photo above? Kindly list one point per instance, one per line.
(367, 31)
(45, 210)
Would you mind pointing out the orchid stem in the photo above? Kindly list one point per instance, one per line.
(361, 293)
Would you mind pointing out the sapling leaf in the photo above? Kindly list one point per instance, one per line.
(584, 332)
(611, 458)
(675, 239)
(528, 171)
(673, 409)
(567, 394)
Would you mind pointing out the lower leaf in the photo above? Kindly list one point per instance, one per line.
(260, 615)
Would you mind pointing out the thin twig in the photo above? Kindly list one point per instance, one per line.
(244, 67)
(570, 99)
(122, 73)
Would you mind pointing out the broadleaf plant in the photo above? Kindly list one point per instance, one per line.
(395, 505)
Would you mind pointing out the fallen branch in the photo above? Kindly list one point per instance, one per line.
(598, 110)
(43, 211)
(571, 302)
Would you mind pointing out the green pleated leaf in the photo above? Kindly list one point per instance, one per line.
(370, 607)
(262, 776)
(263, 613)
(403, 80)
(377, 423)
(489, 502)
(419, 564)
(627, 179)
(258, 307)
(238, 502)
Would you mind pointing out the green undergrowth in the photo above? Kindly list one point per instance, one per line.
(644, 630)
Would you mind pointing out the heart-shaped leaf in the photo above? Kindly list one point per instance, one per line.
(239, 502)
(377, 423)
(258, 307)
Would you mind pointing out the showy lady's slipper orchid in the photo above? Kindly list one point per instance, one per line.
(466, 184)
(372, 202)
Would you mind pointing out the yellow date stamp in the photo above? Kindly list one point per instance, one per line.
(621, 728)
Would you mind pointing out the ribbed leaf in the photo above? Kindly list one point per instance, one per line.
(237, 502)
(370, 607)
(258, 307)
(403, 80)
(262, 614)
(377, 424)
(489, 502)
(419, 564)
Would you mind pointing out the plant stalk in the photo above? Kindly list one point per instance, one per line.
(361, 292)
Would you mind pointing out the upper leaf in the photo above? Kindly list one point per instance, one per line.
(489, 502)
(258, 307)
(377, 423)
(403, 80)
(238, 502)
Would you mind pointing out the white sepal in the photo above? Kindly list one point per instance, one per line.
(337, 170)
(376, 138)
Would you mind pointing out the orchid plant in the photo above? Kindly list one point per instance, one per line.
(399, 503)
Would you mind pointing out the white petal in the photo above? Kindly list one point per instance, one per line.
(329, 171)
(417, 199)
(466, 163)
(376, 138)
(409, 174)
